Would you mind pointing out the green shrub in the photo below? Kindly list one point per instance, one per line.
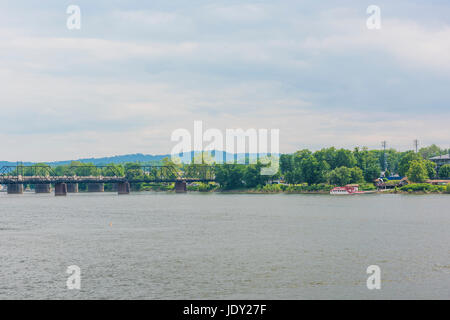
(271, 188)
(156, 186)
(444, 171)
(367, 186)
(425, 187)
(202, 187)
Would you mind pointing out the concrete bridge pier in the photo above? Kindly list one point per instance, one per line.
(72, 187)
(96, 187)
(42, 188)
(15, 188)
(123, 187)
(60, 189)
(180, 187)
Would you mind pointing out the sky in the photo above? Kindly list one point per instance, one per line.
(135, 72)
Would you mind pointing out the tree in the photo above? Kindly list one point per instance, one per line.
(444, 171)
(300, 155)
(431, 151)
(133, 171)
(294, 177)
(340, 176)
(369, 163)
(311, 170)
(406, 160)
(328, 155)
(229, 176)
(344, 158)
(417, 171)
(38, 169)
(286, 163)
(356, 175)
(112, 170)
(430, 166)
(393, 160)
(252, 175)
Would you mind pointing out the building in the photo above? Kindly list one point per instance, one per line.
(438, 182)
(441, 160)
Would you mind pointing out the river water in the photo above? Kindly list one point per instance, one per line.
(224, 246)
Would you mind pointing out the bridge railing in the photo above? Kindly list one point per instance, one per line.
(131, 173)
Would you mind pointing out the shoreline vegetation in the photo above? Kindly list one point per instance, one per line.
(303, 171)
(416, 188)
(422, 188)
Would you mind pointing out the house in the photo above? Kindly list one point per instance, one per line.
(383, 183)
(441, 160)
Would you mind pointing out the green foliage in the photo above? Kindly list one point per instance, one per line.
(431, 151)
(417, 171)
(286, 163)
(229, 176)
(367, 187)
(154, 187)
(272, 188)
(336, 158)
(391, 182)
(252, 175)
(202, 187)
(369, 162)
(447, 189)
(424, 187)
(294, 176)
(235, 176)
(344, 158)
(112, 170)
(406, 160)
(444, 171)
(431, 168)
(343, 175)
(356, 175)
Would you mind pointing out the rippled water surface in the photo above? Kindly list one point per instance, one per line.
(224, 246)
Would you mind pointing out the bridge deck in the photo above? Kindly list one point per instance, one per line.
(65, 179)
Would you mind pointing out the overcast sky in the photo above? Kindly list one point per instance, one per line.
(135, 72)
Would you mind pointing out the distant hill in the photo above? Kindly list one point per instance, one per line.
(137, 157)
(9, 163)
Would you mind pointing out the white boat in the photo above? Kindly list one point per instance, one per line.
(348, 189)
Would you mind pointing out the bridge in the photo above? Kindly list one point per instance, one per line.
(43, 177)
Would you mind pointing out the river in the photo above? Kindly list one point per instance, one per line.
(152, 245)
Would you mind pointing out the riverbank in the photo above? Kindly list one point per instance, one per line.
(253, 191)
(414, 188)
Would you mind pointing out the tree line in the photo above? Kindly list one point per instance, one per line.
(328, 166)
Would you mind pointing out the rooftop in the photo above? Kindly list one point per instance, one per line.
(441, 157)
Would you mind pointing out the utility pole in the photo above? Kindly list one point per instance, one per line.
(383, 144)
(416, 144)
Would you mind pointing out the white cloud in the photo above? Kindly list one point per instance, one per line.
(413, 45)
(131, 77)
